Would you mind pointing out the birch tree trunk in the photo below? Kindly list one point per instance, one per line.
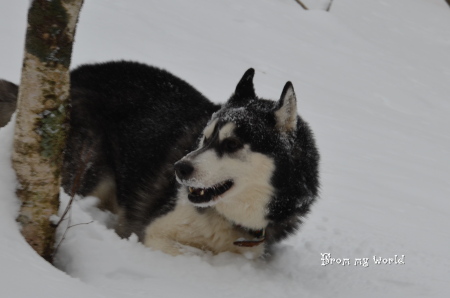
(41, 123)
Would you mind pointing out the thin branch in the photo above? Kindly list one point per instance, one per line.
(81, 223)
(448, 2)
(85, 156)
(67, 229)
(331, 2)
(303, 5)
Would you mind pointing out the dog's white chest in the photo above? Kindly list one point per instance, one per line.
(207, 231)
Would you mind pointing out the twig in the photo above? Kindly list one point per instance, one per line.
(65, 232)
(85, 157)
(448, 2)
(331, 2)
(65, 211)
(79, 224)
(303, 5)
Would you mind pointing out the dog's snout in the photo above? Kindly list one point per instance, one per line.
(183, 169)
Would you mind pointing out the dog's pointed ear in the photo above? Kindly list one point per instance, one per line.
(244, 89)
(286, 109)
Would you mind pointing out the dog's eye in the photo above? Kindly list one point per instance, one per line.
(231, 145)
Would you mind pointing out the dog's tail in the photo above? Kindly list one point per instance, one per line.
(8, 101)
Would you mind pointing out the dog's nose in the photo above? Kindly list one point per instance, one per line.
(183, 169)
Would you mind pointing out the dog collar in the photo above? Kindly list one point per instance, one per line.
(260, 237)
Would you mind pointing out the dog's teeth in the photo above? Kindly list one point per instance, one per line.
(202, 192)
(191, 190)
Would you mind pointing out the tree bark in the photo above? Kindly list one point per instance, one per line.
(41, 122)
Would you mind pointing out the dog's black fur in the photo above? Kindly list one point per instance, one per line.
(137, 121)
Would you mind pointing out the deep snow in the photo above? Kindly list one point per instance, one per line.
(372, 79)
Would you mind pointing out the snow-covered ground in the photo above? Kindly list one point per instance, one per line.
(372, 78)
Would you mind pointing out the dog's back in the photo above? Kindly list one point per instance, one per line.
(129, 124)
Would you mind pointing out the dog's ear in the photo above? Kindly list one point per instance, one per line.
(244, 89)
(286, 109)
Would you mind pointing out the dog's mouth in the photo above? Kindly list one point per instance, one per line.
(204, 195)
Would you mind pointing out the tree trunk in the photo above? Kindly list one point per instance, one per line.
(41, 123)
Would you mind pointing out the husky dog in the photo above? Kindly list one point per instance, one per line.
(182, 172)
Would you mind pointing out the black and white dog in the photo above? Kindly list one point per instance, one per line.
(182, 172)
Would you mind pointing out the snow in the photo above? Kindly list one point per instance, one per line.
(371, 78)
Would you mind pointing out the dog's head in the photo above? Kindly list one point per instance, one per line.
(240, 151)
